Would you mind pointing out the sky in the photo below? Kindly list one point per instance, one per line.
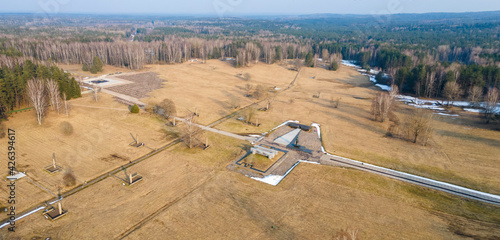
(246, 7)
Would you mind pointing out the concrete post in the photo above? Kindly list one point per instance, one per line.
(59, 206)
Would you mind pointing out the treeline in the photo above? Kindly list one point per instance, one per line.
(135, 55)
(13, 84)
(430, 81)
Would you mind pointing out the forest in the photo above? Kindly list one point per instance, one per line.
(13, 84)
(418, 52)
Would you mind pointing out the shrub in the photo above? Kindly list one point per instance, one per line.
(134, 109)
(66, 128)
(334, 66)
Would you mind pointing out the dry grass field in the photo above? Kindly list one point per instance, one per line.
(100, 130)
(190, 194)
(212, 88)
(462, 150)
(193, 196)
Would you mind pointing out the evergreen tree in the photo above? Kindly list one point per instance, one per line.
(75, 89)
(309, 60)
(96, 65)
(334, 66)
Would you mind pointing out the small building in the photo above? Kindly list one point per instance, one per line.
(267, 152)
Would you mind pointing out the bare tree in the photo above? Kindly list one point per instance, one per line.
(491, 103)
(259, 92)
(166, 108)
(95, 92)
(418, 126)
(335, 102)
(250, 114)
(270, 97)
(475, 94)
(38, 97)
(247, 77)
(451, 92)
(54, 95)
(190, 131)
(325, 54)
(233, 102)
(381, 105)
(67, 106)
(298, 64)
(248, 90)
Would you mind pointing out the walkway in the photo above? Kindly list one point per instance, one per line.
(410, 178)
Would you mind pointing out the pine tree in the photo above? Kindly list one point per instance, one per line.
(96, 65)
(75, 89)
(309, 60)
(334, 66)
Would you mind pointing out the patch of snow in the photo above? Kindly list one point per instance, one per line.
(461, 104)
(447, 114)
(474, 110)
(384, 87)
(432, 107)
(276, 179)
(350, 63)
(311, 162)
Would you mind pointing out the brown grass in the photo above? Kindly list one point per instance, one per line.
(192, 195)
(461, 151)
(99, 130)
(198, 198)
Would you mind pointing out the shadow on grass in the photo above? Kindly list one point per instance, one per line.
(468, 137)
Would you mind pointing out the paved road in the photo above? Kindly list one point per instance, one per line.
(410, 178)
(206, 128)
(124, 97)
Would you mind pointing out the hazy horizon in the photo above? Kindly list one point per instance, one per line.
(247, 8)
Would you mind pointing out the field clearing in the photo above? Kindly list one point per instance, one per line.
(107, 69)
(462, 150)
(199, 198)
(193, 195)
(100, 130)
(213, 88)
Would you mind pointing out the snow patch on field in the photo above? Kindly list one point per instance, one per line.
(276, 179)
(447, 114)
(474, 110)
(384, 87)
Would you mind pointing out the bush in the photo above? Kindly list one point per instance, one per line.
(66, 128)
(85, 67)
(334, 66)
(134, 109)
(247, 77)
